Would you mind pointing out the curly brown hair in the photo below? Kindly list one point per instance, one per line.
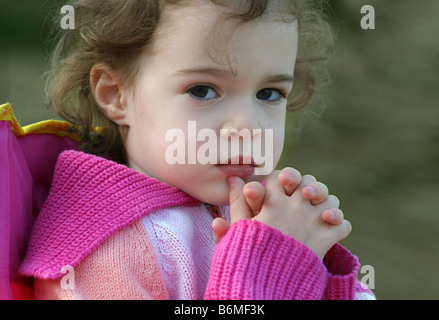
(116, 32)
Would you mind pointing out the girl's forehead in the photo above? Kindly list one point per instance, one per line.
(205, 28)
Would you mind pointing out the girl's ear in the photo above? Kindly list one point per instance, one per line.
(107, 91)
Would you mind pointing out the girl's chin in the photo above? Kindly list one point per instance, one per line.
(216, 195)
(220, 199)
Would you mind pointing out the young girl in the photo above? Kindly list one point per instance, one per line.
(126, 222)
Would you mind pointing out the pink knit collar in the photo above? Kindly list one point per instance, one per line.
(90, 199)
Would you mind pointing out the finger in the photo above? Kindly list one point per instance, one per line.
(220, 227)
(345, 228)
(273, 185)
(254, 193)
(316, 192)
(239, 208)
(331, 202)
(306, 180)
(290, 178)
(333, 216)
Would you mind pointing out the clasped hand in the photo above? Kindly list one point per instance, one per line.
(298, 206)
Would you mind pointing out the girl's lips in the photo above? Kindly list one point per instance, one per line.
(237, 170)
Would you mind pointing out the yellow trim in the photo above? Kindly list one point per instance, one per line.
(55, 127)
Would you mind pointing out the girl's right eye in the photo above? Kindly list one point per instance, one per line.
(202, 93)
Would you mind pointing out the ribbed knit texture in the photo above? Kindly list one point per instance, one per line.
(90, 199)
(257, 262)
(342, 280)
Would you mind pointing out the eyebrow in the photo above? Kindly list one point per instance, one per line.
(224, 73)
(280, 78)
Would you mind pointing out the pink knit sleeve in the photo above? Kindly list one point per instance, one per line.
(257, 262)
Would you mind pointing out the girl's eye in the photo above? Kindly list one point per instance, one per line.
(271, 95)
(203, 93)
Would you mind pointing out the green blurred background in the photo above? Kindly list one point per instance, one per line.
(376, 145)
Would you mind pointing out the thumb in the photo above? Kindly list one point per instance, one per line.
(239, 208)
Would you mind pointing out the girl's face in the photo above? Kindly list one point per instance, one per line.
(192, 79)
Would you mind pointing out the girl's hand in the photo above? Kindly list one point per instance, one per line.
(313, 217)
(289, 178)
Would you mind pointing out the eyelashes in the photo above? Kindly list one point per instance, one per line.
(205, 93)
(271, 95)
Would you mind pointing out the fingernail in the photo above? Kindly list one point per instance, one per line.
(311, 191)
(250, 188)
(289, 175)
(232, 180)
(332, 214)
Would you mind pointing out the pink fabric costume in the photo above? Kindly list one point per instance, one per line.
(27, 162)
(103, 220)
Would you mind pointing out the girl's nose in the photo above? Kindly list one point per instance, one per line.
(242, 118)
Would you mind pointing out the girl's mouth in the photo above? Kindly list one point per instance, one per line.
(238, 167)
(237, 170)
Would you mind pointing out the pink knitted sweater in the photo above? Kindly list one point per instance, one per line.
(91, 221)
